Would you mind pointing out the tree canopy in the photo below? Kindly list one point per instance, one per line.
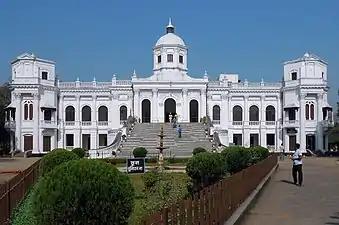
(5, 99)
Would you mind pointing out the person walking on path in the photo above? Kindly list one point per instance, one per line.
(297, 170)
(179, 131)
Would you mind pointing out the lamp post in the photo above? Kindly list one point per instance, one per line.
(161, 148)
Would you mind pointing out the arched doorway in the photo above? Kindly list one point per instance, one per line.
(170, 108)
(194, 111)
(146, 111)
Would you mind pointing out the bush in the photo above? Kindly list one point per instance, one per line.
(55, 158)
(80, 152)
(205, 169)
(140, 152)
(258, 153)
(237, 158)
(164, 191)
(198, 150)
(84, 192)
(150, 179)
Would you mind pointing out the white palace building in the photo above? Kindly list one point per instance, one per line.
(46, 113)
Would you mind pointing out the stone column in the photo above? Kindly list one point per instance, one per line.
(262, 119)
(224, 112)
(185, 108)
(246, 132)
(202, 103)
(36, 122)
(154, 106)
(302, 134)
(320, 128)
(136, 109)
(94, 113)
(61, 109)
(77, 138)
(18, 119)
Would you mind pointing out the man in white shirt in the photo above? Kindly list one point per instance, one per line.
(297, 170)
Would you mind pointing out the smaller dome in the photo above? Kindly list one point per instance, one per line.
(170, 39)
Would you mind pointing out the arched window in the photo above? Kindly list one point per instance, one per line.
(86, 113)
(309, 110)
(103, 113)
(254, 113)
(216, 112)
(270, 113)
(28, 110)
(123, 113)
(70, 113)
(237, 113)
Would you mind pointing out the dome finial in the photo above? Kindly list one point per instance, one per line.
(170, 27)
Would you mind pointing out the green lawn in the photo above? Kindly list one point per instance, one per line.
(24, 215)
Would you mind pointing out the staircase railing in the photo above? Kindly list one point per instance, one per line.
(108, 151)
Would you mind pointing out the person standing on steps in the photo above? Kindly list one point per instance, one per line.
(297, 170)
(179, 131)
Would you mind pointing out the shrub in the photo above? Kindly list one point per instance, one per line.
(80, 152)
(140, 152)
(205, 169)
(55, 158)
(258, 153)
(237, 158)
(84, 192)
(198, 150)
(150, 179)
(165, 191)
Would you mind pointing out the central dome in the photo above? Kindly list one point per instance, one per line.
(170, 38)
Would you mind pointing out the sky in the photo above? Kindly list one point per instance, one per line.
(97, 39)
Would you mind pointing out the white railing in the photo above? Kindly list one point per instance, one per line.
(108, 151)
(102, 123)
(254, 123)
(94, 84)
(10, 124)
(86, 123)
(215, 121)
(69, 123)
(270, 123)
(237, 123)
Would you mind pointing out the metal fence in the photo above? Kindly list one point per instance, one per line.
(14, 190)
(215, 204)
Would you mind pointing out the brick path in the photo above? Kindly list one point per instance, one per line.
(316, 203)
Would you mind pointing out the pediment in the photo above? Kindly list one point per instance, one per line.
(25, 56)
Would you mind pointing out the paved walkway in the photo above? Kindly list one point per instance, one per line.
(316, 203)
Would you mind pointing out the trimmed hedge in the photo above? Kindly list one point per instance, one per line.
(140, 152)
(55, 158)
(237, 158)
(205, 169)
(83, 192)
(80, 152)
(198, 150)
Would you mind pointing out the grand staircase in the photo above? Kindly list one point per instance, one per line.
(146, 135)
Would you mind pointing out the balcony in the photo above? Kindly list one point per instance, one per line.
(102, 123)
(270, 123)
(216, 122)
(253, 123)
(237, 123)
(291, 123)
(48, 124)
(86, 123)
(10, 125)
(69, 123)
(327, 123)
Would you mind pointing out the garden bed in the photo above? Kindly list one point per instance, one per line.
(24, 214)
